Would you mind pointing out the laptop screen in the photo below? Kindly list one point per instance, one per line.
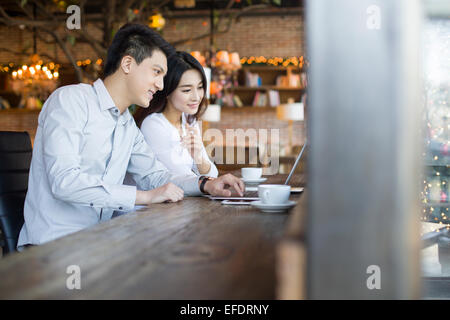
(297, 161)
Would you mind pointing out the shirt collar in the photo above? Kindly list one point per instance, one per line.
(106, 102)
(104, 98)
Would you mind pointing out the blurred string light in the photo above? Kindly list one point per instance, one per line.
(156, 21)
(87, 62)
(274, 61)
(36, 72)
(436, 191)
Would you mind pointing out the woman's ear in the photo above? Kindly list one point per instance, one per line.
(126, 63)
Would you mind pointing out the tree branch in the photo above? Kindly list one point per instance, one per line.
(140, 16)
(44, 40)
(19, 53)
(122, 11)
(78, 71)
(44, 10)
(163, 3)
(232, 18)
(114, 13)
(44, 27)
(27, 12)
(108, 20)
(95, 44)
(9, 21)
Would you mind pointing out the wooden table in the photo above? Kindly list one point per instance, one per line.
(193, 249)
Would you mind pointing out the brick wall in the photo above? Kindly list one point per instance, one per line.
(19, 120)
(252, 35)
(259, 119)
(18, 40)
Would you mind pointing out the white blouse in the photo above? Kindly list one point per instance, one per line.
(165, 141)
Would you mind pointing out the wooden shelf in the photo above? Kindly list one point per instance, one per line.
(248, 108)
(272, 68)
(261, 88)
(269, 78)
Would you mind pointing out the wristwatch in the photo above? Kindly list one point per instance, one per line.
(203, 180)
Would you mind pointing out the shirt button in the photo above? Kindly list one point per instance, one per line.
(120, 208)
(92, 204)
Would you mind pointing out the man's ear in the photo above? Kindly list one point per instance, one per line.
(126, 63)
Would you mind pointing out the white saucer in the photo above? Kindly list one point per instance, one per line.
(273, 207)
(254, 181)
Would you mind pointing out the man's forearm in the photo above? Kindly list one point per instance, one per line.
(189, 184)
(142, 197)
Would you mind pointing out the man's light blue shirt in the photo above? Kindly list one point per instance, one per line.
(82, 151)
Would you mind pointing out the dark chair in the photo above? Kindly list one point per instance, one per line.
(15, 160)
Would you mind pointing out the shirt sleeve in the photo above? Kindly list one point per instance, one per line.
(213, 172)
(158, 136)
(149, 173)
(62, 123)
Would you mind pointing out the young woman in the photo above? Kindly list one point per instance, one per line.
(170, 125)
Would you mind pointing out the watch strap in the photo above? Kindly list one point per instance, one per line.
(204, 179)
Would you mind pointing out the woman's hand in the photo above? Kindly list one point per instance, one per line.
(194, 144)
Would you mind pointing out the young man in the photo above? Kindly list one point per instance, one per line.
(87, 140)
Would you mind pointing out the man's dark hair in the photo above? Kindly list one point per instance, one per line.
(136, 40)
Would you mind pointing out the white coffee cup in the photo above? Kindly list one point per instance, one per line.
(251, 173)
(274, 193)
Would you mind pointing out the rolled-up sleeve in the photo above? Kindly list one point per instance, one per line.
(62, 126)
(149, 173)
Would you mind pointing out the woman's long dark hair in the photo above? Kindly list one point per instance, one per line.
(177, 65)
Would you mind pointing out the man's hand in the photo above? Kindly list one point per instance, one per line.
(221, 185)
(166, 193)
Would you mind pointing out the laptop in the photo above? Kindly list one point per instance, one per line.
(251, 193)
